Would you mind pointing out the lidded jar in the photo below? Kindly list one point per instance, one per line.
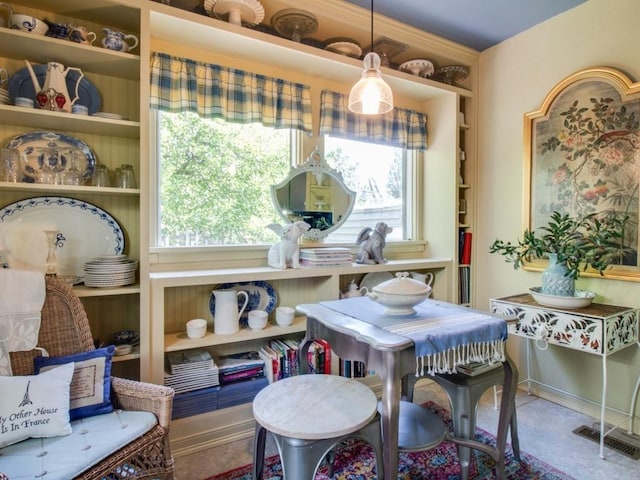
(400, 294)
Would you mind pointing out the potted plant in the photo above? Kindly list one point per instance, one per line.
(572, 245)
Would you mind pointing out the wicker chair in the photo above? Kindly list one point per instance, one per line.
(64, 331)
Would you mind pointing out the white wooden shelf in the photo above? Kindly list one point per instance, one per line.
(45, 188)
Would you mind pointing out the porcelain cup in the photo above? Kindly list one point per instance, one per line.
(80, 34)
(284, 316)
(257, 319)
(58, 30)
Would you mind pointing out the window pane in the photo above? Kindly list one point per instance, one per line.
(215, 178)
(377, 174)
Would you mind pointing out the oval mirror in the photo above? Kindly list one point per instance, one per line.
(315, 193)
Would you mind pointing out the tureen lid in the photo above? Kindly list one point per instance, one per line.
(403, 284)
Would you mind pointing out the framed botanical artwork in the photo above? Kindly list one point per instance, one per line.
(582, 156)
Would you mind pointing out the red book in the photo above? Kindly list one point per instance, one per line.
(466, 249)
(327, 356)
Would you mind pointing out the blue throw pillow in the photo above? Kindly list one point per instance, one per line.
(91, 383)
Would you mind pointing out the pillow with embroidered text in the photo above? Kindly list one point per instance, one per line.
(91, 383)
(35, 405)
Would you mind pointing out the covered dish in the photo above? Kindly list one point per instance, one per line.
(400, 294)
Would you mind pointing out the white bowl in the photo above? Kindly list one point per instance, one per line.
(196, 328)
(257, 319)
(400, 294)
(581, 299)
(27, 23)
(284, 316)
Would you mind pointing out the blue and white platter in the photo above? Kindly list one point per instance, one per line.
(86, 232)
(261, 294)
(21, 85)
(30, 145)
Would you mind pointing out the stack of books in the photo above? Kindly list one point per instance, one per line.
(476, 368)
(189, 370)
(240, 367)
(325, 257)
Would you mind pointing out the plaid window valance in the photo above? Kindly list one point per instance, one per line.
(180, 84)
(399, 128)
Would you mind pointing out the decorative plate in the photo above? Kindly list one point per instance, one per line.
(581, 298)
(344, 46)
(249, 12)
(293, 22)
(418, 67)
(262, 296)
(88, 231)
(452, 74)
(30, 143)
(20, 85)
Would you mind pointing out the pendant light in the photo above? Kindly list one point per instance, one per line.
(371, 95)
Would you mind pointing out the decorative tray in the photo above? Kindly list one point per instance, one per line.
(30, 145)
(88, 232)
(581, 299)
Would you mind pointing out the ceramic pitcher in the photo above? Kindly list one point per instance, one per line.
(227, 313)
(121, 42)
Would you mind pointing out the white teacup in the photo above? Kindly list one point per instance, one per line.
(196, 328)
(284, 316)
(257, 319)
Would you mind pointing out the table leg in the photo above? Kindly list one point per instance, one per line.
(507, 406)
(391, 385)
(603, 405)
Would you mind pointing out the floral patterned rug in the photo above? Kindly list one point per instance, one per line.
(355, 461)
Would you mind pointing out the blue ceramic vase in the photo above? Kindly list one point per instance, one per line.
(555, 280)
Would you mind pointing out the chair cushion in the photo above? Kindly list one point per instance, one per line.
(35, 405)
(93, 439)
(91, 382)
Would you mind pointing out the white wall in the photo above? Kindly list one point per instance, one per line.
(515, 76)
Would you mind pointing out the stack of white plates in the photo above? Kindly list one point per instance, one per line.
(4, 97)
(110, 271)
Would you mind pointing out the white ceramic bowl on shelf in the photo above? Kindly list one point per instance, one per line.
(257, 319)
(27, 23)
(196, 328)
(284, 316)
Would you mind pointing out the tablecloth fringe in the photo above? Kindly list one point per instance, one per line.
(447, 361)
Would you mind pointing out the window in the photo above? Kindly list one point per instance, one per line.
(214, 180)
(378, 175)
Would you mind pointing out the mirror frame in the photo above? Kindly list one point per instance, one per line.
(315, 165)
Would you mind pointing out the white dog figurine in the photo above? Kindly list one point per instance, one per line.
(372, 241)
(286, 252)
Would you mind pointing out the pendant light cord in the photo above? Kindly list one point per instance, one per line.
(372, 25)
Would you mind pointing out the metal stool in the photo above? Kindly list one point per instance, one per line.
(420, 429)
(308, 415)
(464, 393)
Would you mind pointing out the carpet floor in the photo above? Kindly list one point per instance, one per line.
(355, 460)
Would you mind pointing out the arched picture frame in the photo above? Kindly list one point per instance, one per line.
(582, 155)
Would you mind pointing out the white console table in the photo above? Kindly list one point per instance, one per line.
(597, 329)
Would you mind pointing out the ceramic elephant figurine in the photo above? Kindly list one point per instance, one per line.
(286, 252)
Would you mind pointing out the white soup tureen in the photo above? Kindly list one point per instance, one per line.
(400, 294)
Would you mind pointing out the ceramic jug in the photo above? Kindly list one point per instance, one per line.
(227, 313)
(114, 40)
(55, 86)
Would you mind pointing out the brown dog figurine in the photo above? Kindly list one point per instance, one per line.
(372, 241)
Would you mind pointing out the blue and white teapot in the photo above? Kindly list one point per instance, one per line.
(121, 42)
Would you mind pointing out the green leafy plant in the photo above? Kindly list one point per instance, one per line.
(594, 241)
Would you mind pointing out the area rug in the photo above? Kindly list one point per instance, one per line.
(355, 460)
